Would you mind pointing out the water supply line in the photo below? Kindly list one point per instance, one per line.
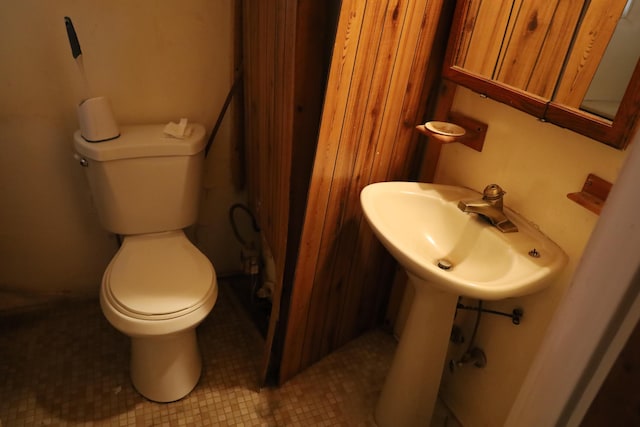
(473, 355)
(475, 327)
(515, 315)
(250, 252)
(232, 220)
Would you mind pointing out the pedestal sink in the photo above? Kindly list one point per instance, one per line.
(447, 253)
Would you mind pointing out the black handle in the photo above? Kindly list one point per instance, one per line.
(73, 38)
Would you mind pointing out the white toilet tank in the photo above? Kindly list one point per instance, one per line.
(144, 181)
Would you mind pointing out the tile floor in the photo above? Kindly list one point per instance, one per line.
(66, 366)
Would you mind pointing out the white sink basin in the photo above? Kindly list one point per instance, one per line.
(421, 226)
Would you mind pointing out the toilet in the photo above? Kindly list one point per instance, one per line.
(158, 287)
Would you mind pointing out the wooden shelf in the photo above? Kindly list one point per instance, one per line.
(473, 138)
(593, 195)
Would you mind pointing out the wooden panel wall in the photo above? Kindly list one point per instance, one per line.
(286, 50)
(268, 37)
(268, 72)
(375, 96)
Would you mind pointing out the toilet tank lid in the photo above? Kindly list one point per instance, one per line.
(142, 141)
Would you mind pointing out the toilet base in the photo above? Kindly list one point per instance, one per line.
(165, 368)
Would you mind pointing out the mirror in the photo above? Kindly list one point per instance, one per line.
(572, 63)
(604, 94)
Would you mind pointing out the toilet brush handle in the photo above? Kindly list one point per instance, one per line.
(73, 38)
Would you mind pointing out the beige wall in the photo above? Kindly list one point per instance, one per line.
(537, 164)
(157, 61)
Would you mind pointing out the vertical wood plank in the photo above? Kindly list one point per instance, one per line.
(390, 160)
(483, 35)
(238, 167)
(366, 104)
(269, 37)
(276, 232)
(554, 50)
(340, 79)
(375, 53)
(468, 12)
(523, 48)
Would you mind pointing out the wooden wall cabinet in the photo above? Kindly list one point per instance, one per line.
(541, 56)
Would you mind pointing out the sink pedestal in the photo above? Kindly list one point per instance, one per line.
(411, 387)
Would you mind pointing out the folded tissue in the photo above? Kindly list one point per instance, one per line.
(178, 130)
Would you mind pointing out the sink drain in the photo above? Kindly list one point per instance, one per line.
(444, 264)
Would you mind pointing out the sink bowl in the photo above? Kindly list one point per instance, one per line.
(422, 227)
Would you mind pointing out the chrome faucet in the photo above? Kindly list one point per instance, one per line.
(490, 207)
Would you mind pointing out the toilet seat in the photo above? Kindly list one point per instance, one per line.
(158, 276)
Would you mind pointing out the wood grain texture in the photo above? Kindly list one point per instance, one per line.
(483, 35)
(374, 95)
(520, 43)
(552, 53)
(284, 44)
(593, 195)
(536, 49)
(340, 79)
(268, 106)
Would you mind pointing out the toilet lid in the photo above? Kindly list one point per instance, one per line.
(159, 274)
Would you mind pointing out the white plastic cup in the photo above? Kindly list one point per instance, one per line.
(97, 122)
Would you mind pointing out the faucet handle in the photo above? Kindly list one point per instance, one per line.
(493, 192)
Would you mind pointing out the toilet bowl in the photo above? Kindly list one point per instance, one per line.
(157, 289)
